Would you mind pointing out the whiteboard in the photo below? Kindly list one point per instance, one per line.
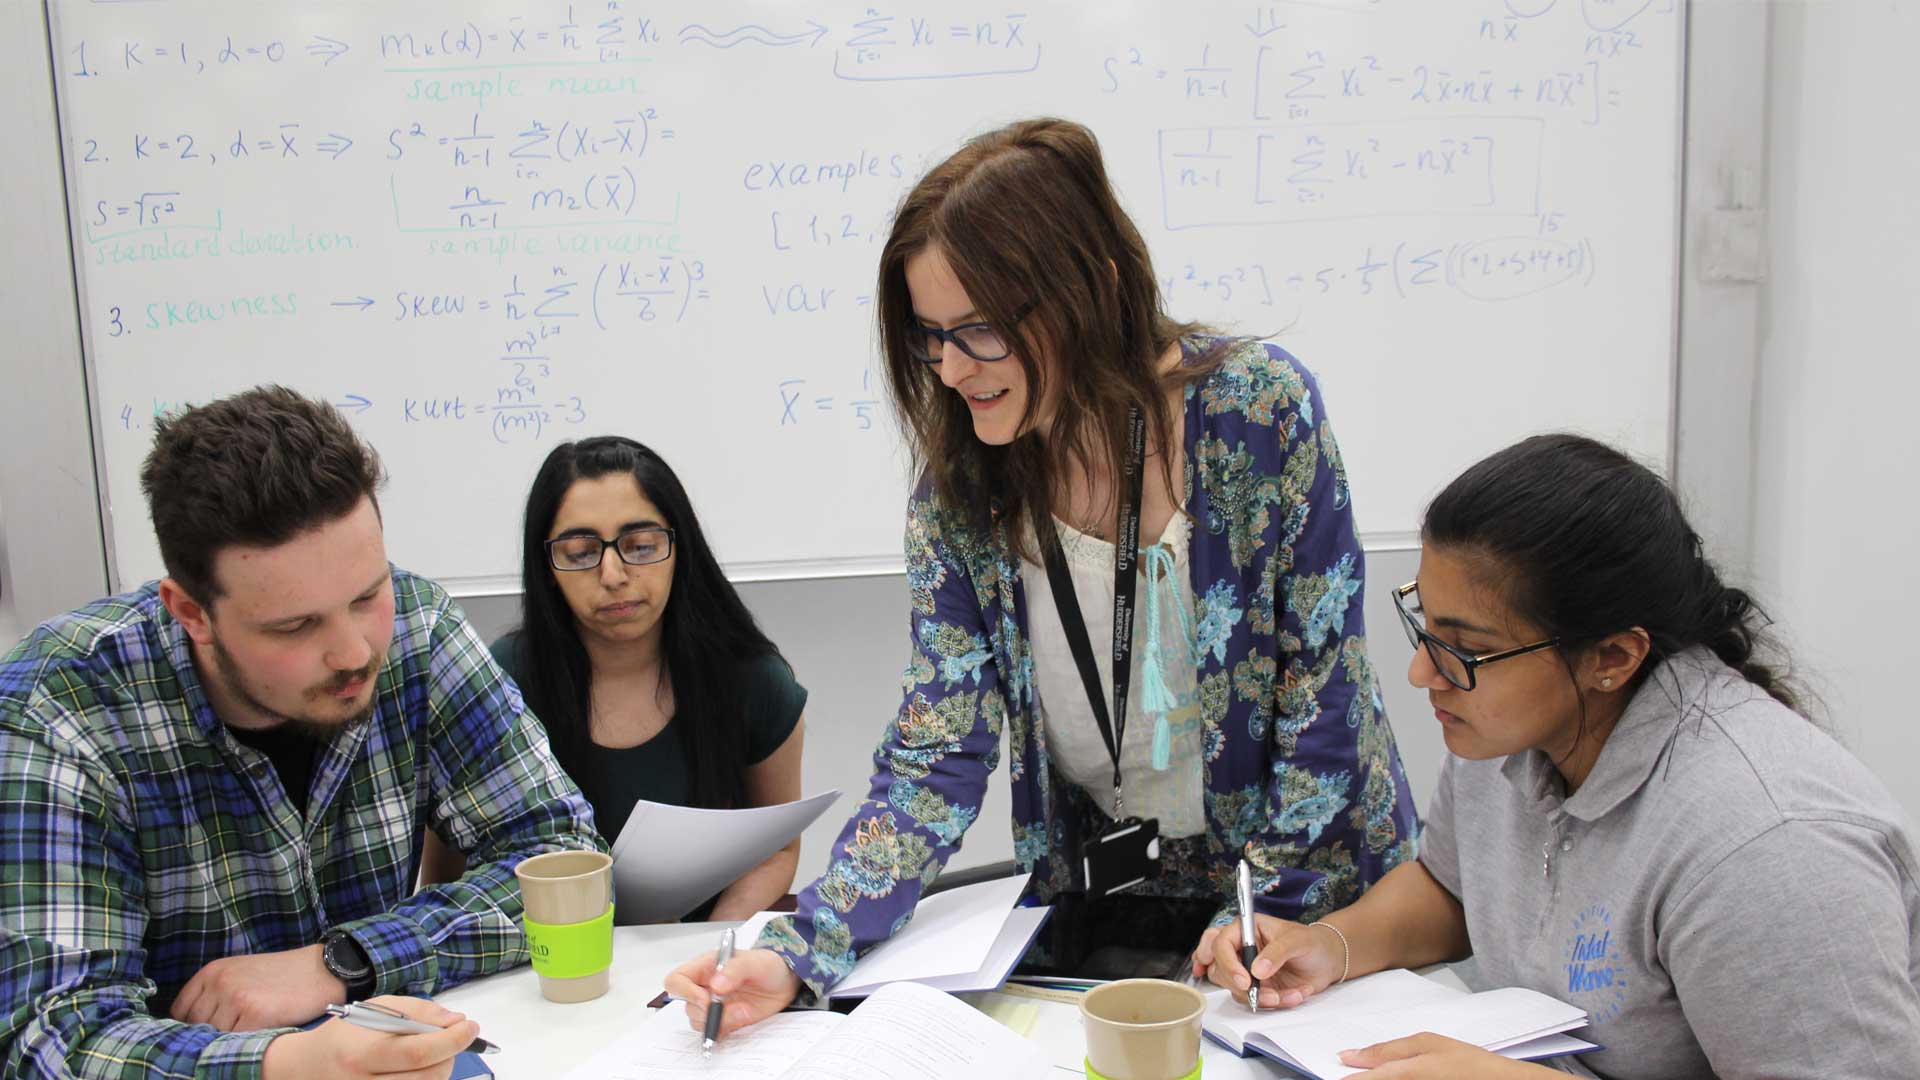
(485, 227)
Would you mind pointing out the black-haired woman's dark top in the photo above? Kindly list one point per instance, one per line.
(656, 770)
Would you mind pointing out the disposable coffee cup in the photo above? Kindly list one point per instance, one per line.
(567, 897)
(1143, 1029)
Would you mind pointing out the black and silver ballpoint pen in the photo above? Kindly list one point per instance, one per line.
(1249, 944)
(375, 1017)
(716, 1005)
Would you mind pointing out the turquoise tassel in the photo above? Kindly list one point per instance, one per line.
(1156, 697)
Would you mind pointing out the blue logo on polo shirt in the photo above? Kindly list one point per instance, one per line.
(1596, 977)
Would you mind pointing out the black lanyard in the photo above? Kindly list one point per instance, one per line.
(1126, 562)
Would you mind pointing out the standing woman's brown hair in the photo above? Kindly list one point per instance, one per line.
(1030, 225)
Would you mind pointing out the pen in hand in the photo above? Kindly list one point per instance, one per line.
(1249, 945)
(716, 1005)
(374, 1017)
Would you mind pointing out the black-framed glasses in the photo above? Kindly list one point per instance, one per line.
(977, 339)
(1455, 666)
(636, 547)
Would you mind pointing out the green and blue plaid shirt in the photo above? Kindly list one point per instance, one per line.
(139, 841)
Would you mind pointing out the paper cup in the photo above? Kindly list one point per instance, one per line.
(568, 900)
(1143, 1029)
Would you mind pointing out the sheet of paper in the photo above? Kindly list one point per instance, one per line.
(1548, 1046)
(1015, 935)
(1228, 1020)
(665, 1047)
(669, 859)
(908, 1032)
(1485, 1019)
(951, 934)
(749, 931)
(1021, 927)
(954, 936)
(1009, 1012)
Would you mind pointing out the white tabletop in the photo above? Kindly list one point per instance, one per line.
(538, 1038)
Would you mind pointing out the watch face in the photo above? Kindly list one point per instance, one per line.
(345, 959)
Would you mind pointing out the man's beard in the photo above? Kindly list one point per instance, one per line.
(319, 730)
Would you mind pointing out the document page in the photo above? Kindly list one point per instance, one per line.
(665, 1047)
(951, 934)
(1228, 1020)
(909, 1032)
(953, 937)
(904, 1032)
(670, 859)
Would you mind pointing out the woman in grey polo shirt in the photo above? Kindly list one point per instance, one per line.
(1634, 817)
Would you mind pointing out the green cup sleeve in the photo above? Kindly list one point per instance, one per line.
(570, 950)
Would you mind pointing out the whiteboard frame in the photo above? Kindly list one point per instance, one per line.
(75, 240)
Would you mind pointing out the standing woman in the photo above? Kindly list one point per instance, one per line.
(1034, 373)
(1634, 817)
(649, 673)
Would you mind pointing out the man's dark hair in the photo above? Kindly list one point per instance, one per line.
(255, 469)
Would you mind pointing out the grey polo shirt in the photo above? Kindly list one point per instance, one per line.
(1730, 893)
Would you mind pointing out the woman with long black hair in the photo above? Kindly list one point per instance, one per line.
(649, 673)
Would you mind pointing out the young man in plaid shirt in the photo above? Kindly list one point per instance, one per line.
(212, 789)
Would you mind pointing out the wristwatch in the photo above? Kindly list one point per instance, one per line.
(348, 962)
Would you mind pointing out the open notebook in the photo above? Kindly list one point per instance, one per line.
(902, 1032)
(1512, 1022)
(963, 939)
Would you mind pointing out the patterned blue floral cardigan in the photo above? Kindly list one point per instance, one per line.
(1301, 771)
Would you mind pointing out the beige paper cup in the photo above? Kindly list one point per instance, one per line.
(1143, 1029)
(568, 897)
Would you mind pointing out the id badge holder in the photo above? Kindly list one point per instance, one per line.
(1122, 857)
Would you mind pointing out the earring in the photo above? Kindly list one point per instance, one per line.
(1606, 683)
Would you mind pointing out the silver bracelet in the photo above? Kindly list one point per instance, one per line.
(1346, 952)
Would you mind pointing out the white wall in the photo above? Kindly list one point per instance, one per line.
(1836, 443)
(51, 548)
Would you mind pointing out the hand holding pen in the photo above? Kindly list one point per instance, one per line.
(369, 1041)
(716, 1006)
(1271, 963)
(757, 984)
(377, 1017)
(1249, 943)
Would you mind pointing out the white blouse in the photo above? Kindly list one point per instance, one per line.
(1163, 703)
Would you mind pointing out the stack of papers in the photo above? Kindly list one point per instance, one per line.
(1512, 1022)
(904, 1032)
(961, 940)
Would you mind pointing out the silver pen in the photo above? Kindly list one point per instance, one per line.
(374, 1017)
(716, 1005)
(1249, 944)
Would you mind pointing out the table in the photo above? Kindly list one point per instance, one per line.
(538, 1038)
